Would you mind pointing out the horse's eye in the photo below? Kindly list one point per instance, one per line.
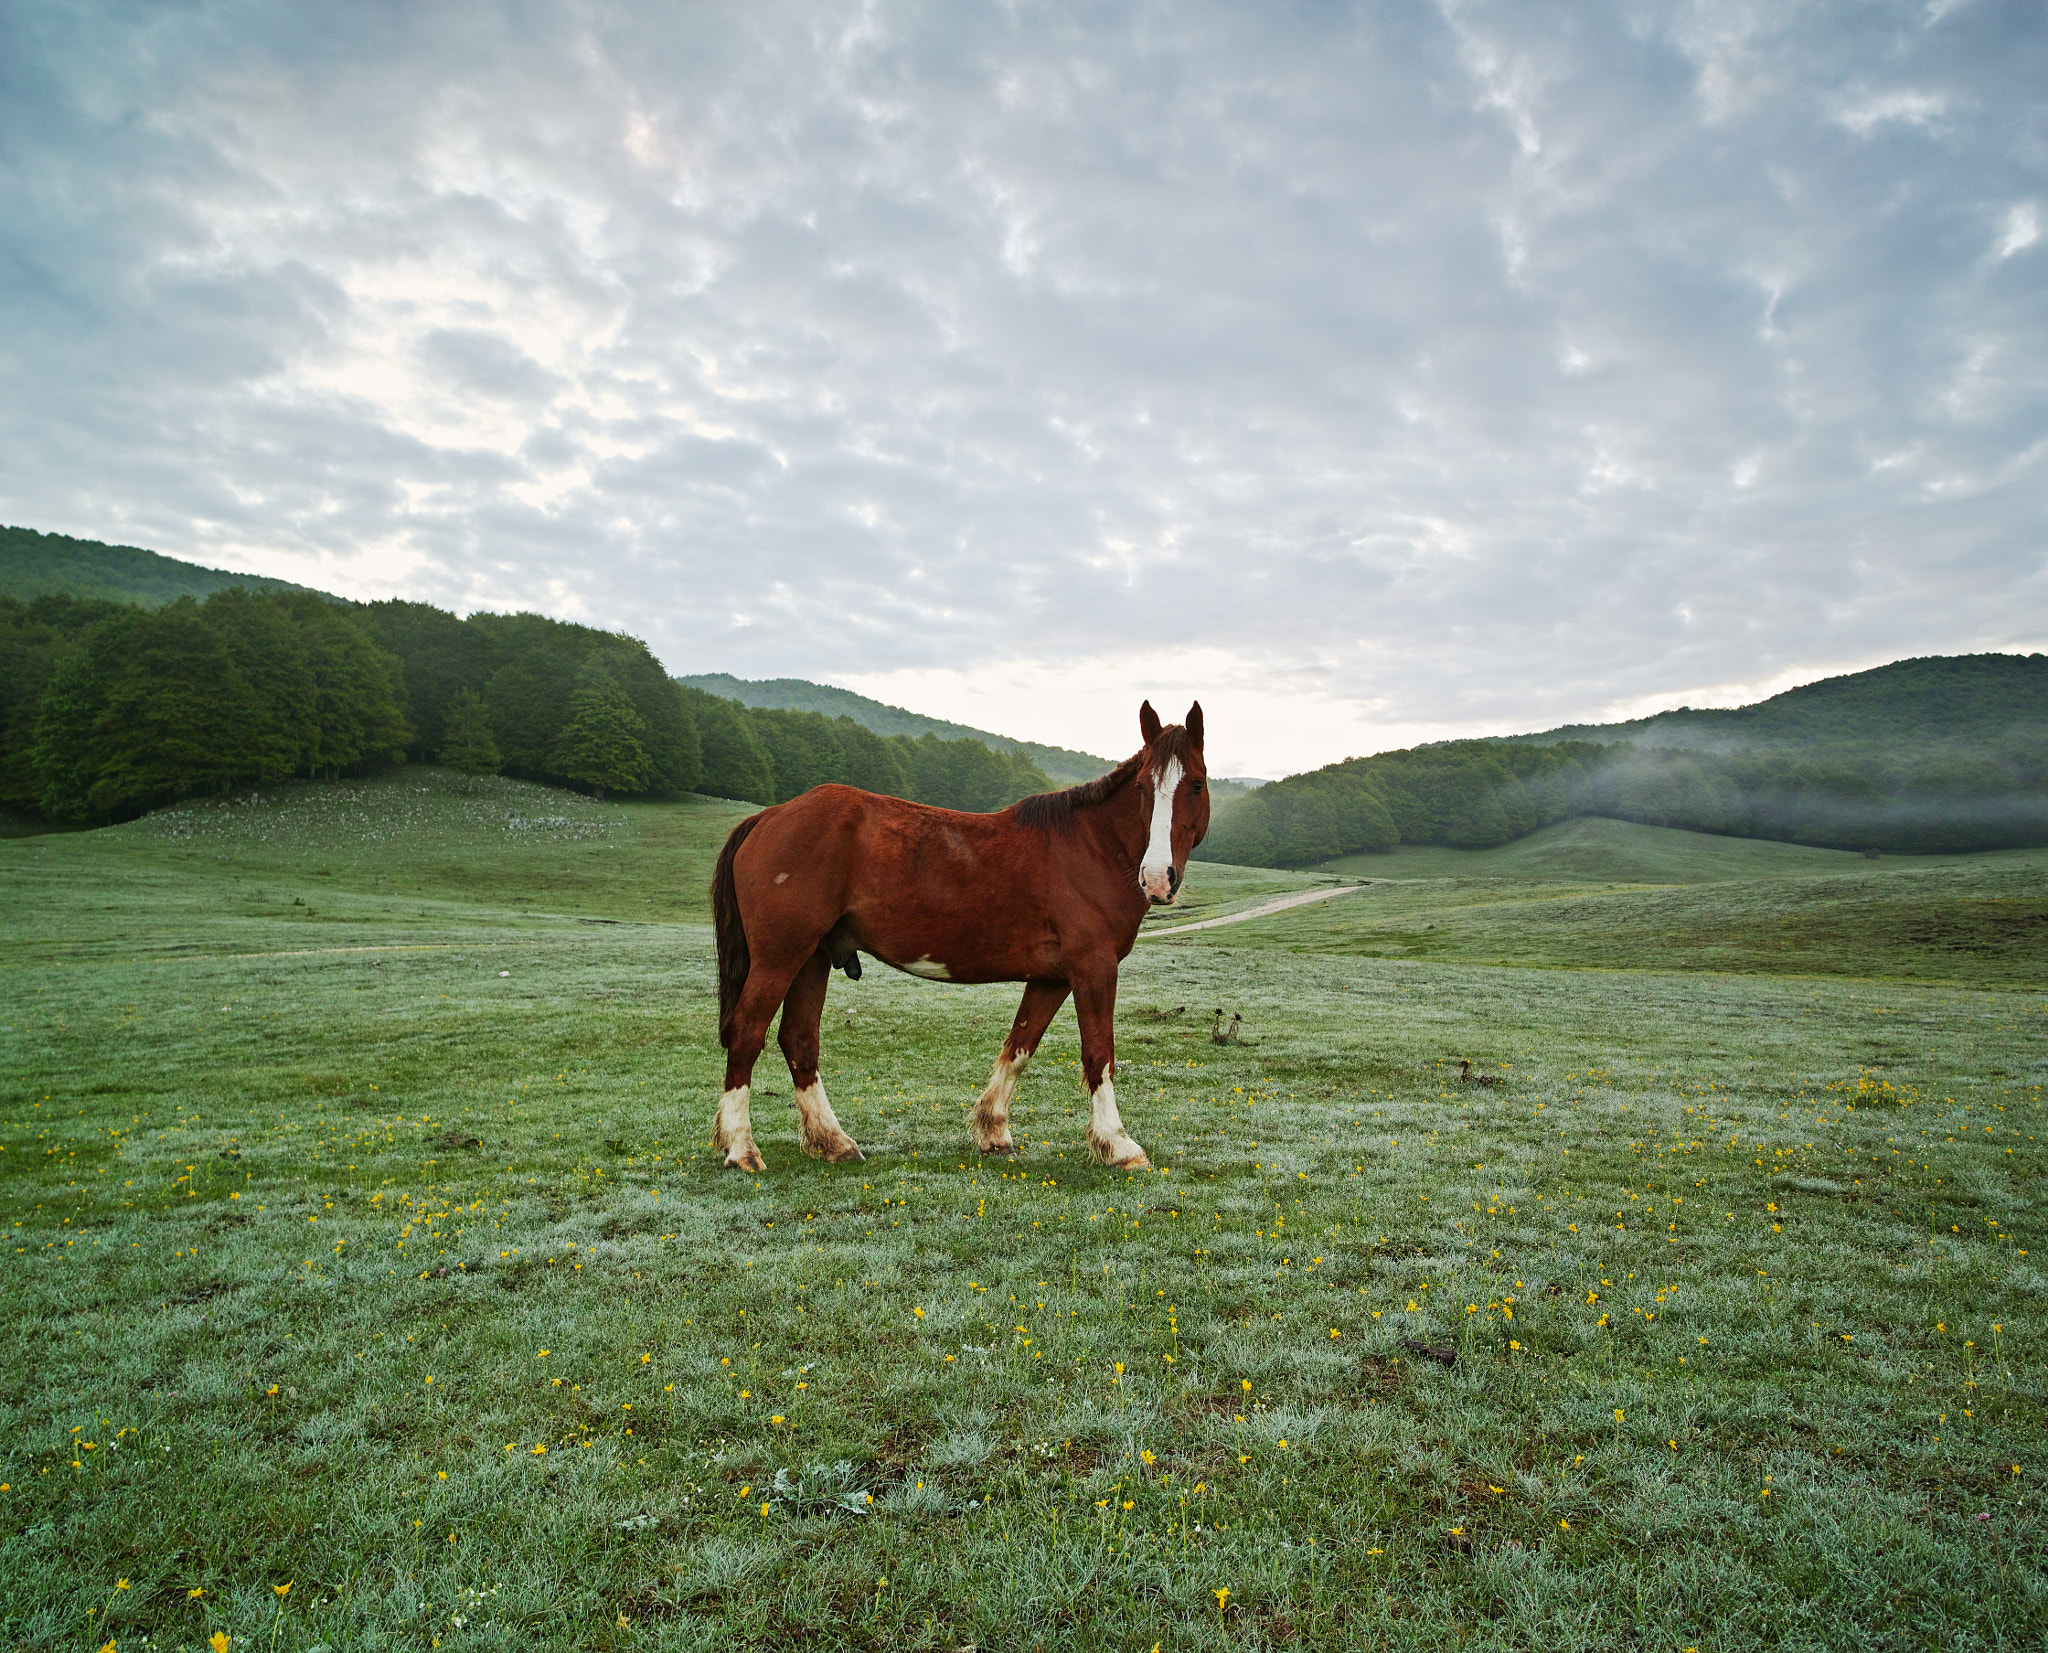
(1195, 787)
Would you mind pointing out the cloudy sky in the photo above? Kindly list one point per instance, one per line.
(1375, 372)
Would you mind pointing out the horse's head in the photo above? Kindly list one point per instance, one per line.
(1174, 783)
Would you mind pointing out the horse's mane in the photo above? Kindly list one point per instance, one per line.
(1052, 811)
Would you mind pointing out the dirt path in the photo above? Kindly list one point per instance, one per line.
(1279, 904)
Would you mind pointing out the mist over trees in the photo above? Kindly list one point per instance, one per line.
(1945, 753)
(1479, 794)
(108, 709)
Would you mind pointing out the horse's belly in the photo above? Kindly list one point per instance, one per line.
(963, 952)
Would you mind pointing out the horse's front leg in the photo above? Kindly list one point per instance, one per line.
(1042, 1001)
(1095, 1006)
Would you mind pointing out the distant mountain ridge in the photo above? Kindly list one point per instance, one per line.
(1973, 697)
(1060, 763)
(43, 565)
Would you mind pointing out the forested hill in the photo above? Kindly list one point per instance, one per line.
(40, 565)
(130, 680)
(108, 709)
(1922, 755)
(1976, 697)
(794, 694)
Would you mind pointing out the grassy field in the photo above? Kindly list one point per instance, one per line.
(1607, 852)
(1611, 895)
(372, 1285)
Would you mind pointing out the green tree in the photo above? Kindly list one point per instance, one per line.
(442, 655)
(537, 670)
(965, 774)
(35, 638)
(1241, 832)
(280, 732)
(151, 708)
(735, 760)
(874, 763)
(528, 696)
(675, 755)
(1305, 827)
(466, 742)
(600, 744)
(803, 748)
(358, 690)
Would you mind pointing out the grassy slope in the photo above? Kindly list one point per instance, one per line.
(1755, 1234)
(1601, 851)
(1606, 895)
(396, 850)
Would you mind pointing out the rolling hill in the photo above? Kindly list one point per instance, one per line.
(42, 565)
(796, 695)
(1974, 697)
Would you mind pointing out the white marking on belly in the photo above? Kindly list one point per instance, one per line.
(782, 878)
(1157, 867)
(929, 968)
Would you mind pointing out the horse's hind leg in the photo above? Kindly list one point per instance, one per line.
(1042, 1000)
(732, 1130)
(819, 1129)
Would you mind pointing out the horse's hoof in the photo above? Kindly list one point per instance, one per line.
(1120, 1153)
(1004, 1146)
(748, 1160)
(841, 1150)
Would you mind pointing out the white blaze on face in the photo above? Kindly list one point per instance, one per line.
(1155, 872)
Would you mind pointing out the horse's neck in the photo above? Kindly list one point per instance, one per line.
(1117, 825)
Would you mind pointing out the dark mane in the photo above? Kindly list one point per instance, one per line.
(1051, 811)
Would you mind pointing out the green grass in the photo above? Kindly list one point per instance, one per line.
(249, 1226)
(1975, 920)
(1607, 852)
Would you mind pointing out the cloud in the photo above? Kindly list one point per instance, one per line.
(1390, 371)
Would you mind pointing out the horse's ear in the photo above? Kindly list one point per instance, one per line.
(1194, 725)
(1148, 723)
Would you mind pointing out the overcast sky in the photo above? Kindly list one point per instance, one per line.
(1375, 372)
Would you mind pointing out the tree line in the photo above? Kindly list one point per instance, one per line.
(1935, 795)
(109, 709)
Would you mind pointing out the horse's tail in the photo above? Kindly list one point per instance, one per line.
(733, 958)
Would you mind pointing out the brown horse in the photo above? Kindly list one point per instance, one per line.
(1049, 892)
